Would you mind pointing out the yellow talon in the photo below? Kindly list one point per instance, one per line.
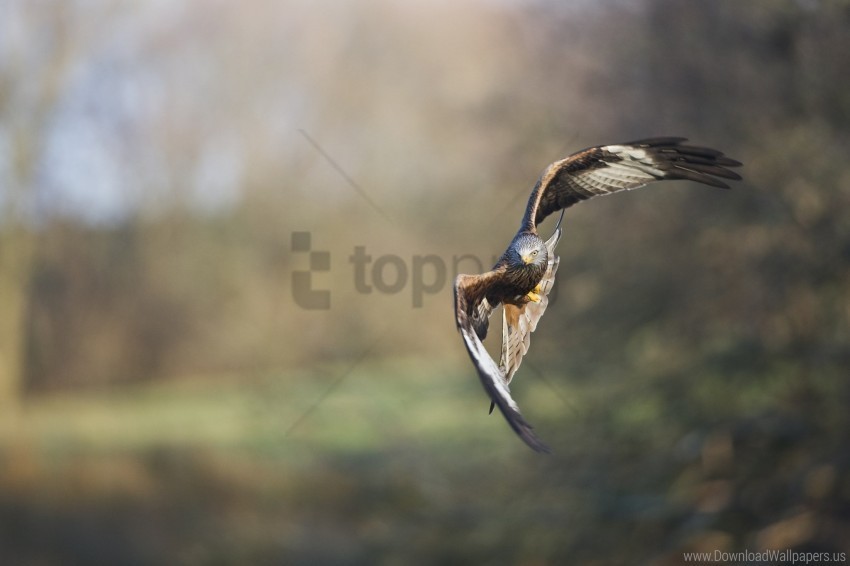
(534, 297)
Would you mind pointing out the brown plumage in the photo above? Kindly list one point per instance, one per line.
(523, 277)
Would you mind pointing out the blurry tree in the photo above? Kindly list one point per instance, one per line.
(33, 79)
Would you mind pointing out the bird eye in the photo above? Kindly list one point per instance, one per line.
(534, 253)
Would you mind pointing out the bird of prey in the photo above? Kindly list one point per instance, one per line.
(522, 278)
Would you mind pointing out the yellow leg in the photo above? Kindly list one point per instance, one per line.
(534, 295)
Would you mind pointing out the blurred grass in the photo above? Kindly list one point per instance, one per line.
(268, 468)
(400, 463)
(324, 409)
(332, 408)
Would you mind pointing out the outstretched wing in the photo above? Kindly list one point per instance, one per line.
(613, 168)
(469, 291)
(519, 322)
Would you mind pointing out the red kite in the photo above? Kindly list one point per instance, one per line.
(524, 275)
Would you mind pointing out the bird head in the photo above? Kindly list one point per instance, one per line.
(529, 250)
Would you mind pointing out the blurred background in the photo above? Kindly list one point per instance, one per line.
(227, 235)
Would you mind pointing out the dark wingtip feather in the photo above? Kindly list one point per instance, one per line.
(696, 150)
(694, 163)
(697, 177)
(536, 444)
(714, 170)
(524, 430)
(657, 142)
(727, 161)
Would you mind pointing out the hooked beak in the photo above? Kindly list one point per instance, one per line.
(526, 259)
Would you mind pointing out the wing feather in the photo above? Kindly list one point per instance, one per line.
(612, 168)
(469, 291)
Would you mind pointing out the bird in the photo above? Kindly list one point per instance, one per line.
(524, 275)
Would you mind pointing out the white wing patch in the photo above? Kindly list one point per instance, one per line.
(487, 369)
(635, 159)
(635, 168)
(631, 152)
